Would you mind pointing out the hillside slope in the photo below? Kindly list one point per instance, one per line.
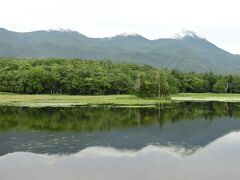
(188, 52)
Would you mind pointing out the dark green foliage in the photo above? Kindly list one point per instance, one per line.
(78, 77)
(236, 84)
(89, 77)
(221, 85)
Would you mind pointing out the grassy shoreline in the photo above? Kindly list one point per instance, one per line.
(8, 99)
(75, 100)
(206, 97)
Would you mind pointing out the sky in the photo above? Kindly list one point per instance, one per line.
(216, 20)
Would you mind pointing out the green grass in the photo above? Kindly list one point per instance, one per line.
(6, 93)
(206, 97)
(67, 100)
(11, 99)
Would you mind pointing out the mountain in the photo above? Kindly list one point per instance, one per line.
(187, 52)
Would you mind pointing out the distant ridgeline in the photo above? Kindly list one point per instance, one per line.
(186, 52)
(93, 77)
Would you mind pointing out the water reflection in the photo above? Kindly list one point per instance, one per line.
(69, 130)
(171, 142)
(79, 119)
(219, 160)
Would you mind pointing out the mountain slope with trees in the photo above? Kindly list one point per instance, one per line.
(187, 53)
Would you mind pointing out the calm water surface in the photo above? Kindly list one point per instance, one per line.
(182, 141)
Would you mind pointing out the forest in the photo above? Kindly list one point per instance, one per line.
(95, 77)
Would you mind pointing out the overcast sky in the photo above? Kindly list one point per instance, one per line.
(216, 20)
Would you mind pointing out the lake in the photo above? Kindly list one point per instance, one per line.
(179, 141)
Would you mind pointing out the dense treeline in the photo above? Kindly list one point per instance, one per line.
(88, 77)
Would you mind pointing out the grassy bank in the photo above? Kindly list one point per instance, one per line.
(121, 100)
(67, 100)
(206, 97)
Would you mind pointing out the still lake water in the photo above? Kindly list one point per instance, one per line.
(182, 141)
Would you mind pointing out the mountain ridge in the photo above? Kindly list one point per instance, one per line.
(187, 52)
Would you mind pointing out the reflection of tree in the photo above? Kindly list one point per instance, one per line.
(107, 118)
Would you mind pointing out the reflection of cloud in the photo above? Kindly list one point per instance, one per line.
(174, 151)
(218, 160)
(99, 151)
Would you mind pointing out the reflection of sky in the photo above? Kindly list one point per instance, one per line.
(219, 160)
